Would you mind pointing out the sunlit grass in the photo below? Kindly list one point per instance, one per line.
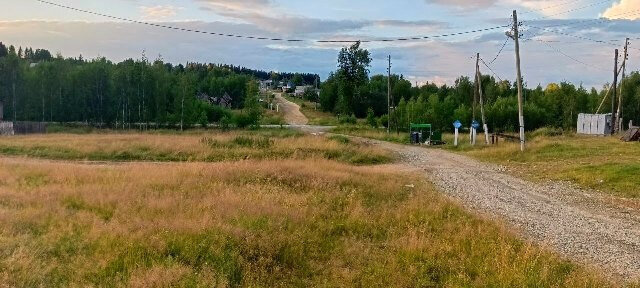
(198, 146)
(280, 223)
(372, 133)
(603, 163)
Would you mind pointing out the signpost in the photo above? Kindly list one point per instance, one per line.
(457, 126)
(474, 128)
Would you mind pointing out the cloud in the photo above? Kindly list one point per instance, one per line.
(464, 4)
(421, 61)
(266, 15)
(625, 9)
(158, 13)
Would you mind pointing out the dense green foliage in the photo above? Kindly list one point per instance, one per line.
(556, 105)
(36, 86)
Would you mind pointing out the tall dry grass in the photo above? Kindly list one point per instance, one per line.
(192, 147)
(252, 223)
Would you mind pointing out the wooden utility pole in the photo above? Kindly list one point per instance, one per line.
(615, 91)
(620, 118)
(389, 96)
(475, 91)
(479, 81)
(519, 75)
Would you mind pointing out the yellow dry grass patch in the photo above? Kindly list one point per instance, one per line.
(252, 223)
(212, 146)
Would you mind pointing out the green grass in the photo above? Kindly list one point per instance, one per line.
(372, 133)
(603, 163)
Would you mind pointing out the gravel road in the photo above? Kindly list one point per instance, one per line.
(582, 225)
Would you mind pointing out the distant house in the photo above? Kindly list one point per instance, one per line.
(301, 89)
(224, 101)
(266, 85)
(289, 87)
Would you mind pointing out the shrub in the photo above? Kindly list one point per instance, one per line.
(348, 119)
(371, 118)
(547, 132)
(383, 121)
(242, 120)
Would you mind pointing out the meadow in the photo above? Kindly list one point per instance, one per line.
(252, 223)
(602, 163)
(177, 218)
(202, 146)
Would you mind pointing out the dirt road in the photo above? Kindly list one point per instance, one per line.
(291, 111)
(582, 225)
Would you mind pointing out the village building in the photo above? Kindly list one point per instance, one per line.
(299, 91)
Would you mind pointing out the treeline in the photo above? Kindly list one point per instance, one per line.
(350, 91)
(37, 86)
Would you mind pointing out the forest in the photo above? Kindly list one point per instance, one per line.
(350, 91)
(38, 86)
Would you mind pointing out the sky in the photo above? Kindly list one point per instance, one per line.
(562, 40)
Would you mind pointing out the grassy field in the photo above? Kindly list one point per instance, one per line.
(252, 223)
(372, 133)
(603, 163)
(206, 146)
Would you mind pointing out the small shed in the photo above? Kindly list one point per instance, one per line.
(594, 124)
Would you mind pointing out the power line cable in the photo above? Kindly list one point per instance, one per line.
(607, 42)
(231, 35)
(574, 9)
(549, 7)
(570, 57)
(499, 52)
(628, 13)
(493, 72)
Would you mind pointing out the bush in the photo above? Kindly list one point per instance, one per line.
(225, 123)
(547, 132)
(371, 118)
(216, 113)
(242, 120)
(348, 119)
(383, 121)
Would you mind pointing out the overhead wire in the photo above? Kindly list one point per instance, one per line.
(574, 9)
(500, 52)
(231, 35)
(549, 7)
(569, 56)
(493, 72)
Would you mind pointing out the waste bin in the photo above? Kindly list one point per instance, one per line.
(415, 138)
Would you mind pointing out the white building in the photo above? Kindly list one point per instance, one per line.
(301, 89)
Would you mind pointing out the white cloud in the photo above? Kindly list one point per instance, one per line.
(421, 61)
(158, 13)
(625, 9)
(464, 4)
